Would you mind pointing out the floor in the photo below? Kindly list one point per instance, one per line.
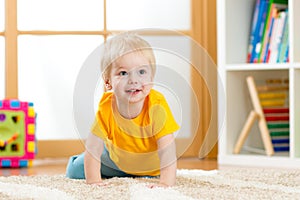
(58, 166)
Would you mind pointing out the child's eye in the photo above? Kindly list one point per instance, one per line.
(142, 71)
(123, 73)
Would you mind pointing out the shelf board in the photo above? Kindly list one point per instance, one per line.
(260, 66)
(258, 161)
(297, 66)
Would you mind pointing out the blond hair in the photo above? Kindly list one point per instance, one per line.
(122, 44)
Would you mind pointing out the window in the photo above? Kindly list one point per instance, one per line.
(53, 47)
(60, 15)
(136, 14)
(48, 68)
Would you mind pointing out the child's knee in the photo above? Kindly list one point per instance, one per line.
(75, 167)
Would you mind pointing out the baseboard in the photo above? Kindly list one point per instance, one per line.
(67, 148)
(59, 148)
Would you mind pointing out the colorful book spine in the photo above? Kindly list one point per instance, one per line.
(283, 34)
(285, 41)
(286, 56)
(261, 26)
(253, 29)
(272, 35)
(268, 21)
(278, 37)
(267, 34)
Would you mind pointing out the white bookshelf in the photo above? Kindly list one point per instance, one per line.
(233, 25)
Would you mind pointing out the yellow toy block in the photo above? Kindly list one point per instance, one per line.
(31, 112)
(30, 163)
(30, 146)
(30, 129)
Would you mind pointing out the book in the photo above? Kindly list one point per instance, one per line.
(266, 27)
(259, 32)
(285, 40)
(271, 39)
(254, 27)
(286, 56)
(274, 49)
(266, 32)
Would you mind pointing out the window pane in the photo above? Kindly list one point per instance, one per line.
(48, 68)
(60, 15)
(134, 14)
(2, 66)
(2, 14)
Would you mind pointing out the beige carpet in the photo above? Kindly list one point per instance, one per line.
(191, 184)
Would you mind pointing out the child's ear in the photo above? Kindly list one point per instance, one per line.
(108, 85)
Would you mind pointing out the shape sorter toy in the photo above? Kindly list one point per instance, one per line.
(17, 133)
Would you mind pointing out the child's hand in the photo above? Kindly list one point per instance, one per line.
(101, 183)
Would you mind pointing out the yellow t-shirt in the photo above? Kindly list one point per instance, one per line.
(132, 143)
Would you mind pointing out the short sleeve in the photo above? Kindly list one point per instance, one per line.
(98, 128)
(162, 119)
(102, 117)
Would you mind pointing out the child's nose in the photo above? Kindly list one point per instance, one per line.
(133, 78)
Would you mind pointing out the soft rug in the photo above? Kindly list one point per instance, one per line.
(234, 183)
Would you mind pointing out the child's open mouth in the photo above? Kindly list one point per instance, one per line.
(133, 91)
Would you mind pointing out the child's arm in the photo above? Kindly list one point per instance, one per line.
(92, 161)
(168, 160)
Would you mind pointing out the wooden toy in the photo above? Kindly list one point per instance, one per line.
(255, 114)
(270, 108)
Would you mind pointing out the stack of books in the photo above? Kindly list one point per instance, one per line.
(269, 37)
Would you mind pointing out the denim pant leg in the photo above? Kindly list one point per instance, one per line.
(109, 169)
(75, 168)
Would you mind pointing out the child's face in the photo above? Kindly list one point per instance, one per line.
(131, 78)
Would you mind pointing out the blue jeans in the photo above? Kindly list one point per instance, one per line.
(75, 167)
